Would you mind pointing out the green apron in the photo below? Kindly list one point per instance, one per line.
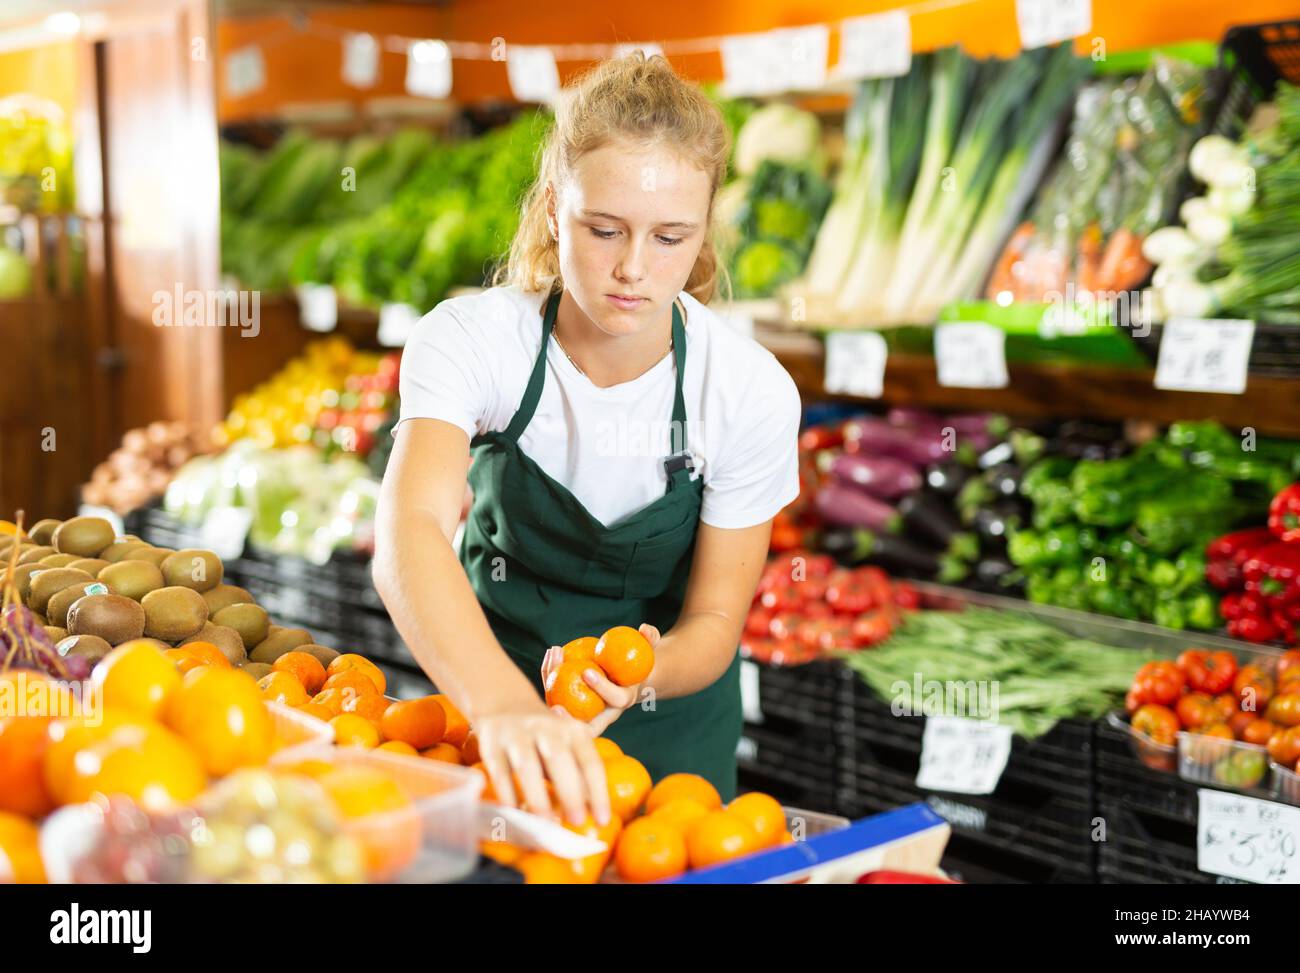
(546, 571)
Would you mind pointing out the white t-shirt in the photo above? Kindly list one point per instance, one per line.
(468, 360)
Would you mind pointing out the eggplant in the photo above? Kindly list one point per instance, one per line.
(897, 554)
(845, 506)
(876, 437)
(947, 478)
(901, 416)
(884, 477)
(995, 572)
(994, 522)
(1004, 480)
(989, 424)
(927, 518)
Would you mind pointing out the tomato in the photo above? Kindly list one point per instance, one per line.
(1243, 769)
(1290, 662)
(1258, 732)
(818, 609)
(1289, 678)
(1240, 720)
(785, 537)
(1284, 746)
(1219, 730)
(1160, 723)
(823, 635)
(1225, 704)
(1284, 709)
(1160, 683)
(758, 649)
(810, 590)
(1254, 687)
(851, 596)
(905, 596)
(872, 627)
(1208, 672)
(783, 625)
(1196, 710)
(1132, 702)
(758, 623)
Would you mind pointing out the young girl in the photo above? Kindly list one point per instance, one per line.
(630, 451)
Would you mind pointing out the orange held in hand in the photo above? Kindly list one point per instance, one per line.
(650, 850)
(419, 722)
(583, 648)
(566, 687)
(625, 655)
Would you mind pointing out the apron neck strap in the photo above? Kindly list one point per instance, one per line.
(533, 393)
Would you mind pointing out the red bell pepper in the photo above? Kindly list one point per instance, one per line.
(1238, 545)
(1284, 514)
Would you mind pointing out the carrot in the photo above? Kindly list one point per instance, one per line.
(1121, 260)
(1088, 264)
(1001, 278)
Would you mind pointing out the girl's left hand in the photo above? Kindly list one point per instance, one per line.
(617, 698)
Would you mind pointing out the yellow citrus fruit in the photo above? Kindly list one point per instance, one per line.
(222, 715)
(144, 761)
(135, 676)
(351, 730)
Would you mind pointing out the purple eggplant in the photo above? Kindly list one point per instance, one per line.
(884, 477)
(875, 437)
(988, 424)
(846, 506)
(899, 416)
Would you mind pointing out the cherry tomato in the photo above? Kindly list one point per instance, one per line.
(1196, 710)
(1160, 723)
(1258, 732)
(1284, 709)
(1254, 687)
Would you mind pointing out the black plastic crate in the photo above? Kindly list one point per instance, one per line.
(1122, 776)
(971, 861)
(786, 764)
(811, 694)
(1047, 825)
(1145, 847)
(1059, 760)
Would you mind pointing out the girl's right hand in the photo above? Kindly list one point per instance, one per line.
(533, 746)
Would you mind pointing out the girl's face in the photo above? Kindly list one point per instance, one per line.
(630, 223)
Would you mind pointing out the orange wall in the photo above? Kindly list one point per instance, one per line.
(303, 68)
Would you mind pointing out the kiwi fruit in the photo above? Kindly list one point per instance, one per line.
(257, 669)
(40, 619)
(120, 550)
(223, 637)
(279, 641)
(23, 578)
(56, 633)
(250, 621)
(59, 606)
(42, 532)
(90, 647)
(60, 560)
(49, 582)
(83, 536)
(33, 553)
(132, 578)
(114, 618)
(91, 565)
(225, 595)
(323, 654)
(173, 613)
(154, 555)
(192, 568)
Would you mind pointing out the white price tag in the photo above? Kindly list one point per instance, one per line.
(1045, 22)
(971, 355)
(245, 71)
(224, 531)
(396, 321)
(877, 46)
(318, 306)
(1204, 356)
(533, 73)
(749, 696)
(855, 363)
(1246, 838)
(768, 63)
(962, 756)
(428, 69)
(360, 60)
(649, 50)
(90, 510)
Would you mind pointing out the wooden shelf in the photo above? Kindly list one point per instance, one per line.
(1270, 404)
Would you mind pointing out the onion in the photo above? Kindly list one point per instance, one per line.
(1210, 227)
(1208, 155)
(1232, 201)
(1171, 244)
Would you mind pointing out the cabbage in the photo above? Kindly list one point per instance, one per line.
(782, 133)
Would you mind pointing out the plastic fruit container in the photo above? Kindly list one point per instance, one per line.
(1152, 753)
(297, 730)
(444, 827)
(1229, 764)
(1286, 784)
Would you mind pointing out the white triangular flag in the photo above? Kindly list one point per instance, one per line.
(360, 60)
(428, 69)
(533, 73)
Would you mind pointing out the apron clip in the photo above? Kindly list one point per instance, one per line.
(679, 461)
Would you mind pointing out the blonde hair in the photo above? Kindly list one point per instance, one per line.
(629, 98)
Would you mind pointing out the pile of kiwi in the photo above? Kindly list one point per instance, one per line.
(94, 590)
